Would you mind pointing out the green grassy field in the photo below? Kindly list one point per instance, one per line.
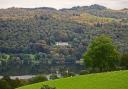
(109, 80)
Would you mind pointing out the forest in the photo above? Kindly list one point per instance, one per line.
(29, 37)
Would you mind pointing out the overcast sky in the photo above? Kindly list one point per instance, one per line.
(114, 4)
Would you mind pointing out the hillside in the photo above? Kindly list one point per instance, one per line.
(110, 80)
(28, 36)
(99, 11)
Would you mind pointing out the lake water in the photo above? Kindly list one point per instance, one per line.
(21, 77)
(30, 76)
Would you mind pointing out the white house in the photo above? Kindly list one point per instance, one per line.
(62, 43)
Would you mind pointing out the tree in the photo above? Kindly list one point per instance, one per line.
(102, 54)
(124, 60)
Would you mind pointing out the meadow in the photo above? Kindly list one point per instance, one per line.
(106, 80)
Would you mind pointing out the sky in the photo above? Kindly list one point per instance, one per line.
(58, 4)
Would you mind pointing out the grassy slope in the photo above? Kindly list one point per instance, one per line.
(85, 18)
(91, 19)
(110, 80)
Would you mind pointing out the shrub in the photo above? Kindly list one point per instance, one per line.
(47, 87)
(39, 78)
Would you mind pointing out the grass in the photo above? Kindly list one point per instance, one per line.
(87, 18)
(108, 80)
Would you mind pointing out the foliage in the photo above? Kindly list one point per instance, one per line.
(28, 36)
(68, 74)
(124, 60)
(102, 54)
(38, 78)
(4, 85)
(7, 83)
(83, 72)
(53, 76)
(47, 87)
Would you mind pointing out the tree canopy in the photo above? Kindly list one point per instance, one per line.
(102, 54)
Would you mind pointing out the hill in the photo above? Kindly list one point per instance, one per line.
(99, 11)
(28, 36)
(109, 80)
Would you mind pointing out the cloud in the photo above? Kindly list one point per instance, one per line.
(114, 4)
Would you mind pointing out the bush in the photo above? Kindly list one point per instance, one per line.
(83, 72)
(47, 87)
(53, 76)
(7, 83)
(69, 74)
(39, 78)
